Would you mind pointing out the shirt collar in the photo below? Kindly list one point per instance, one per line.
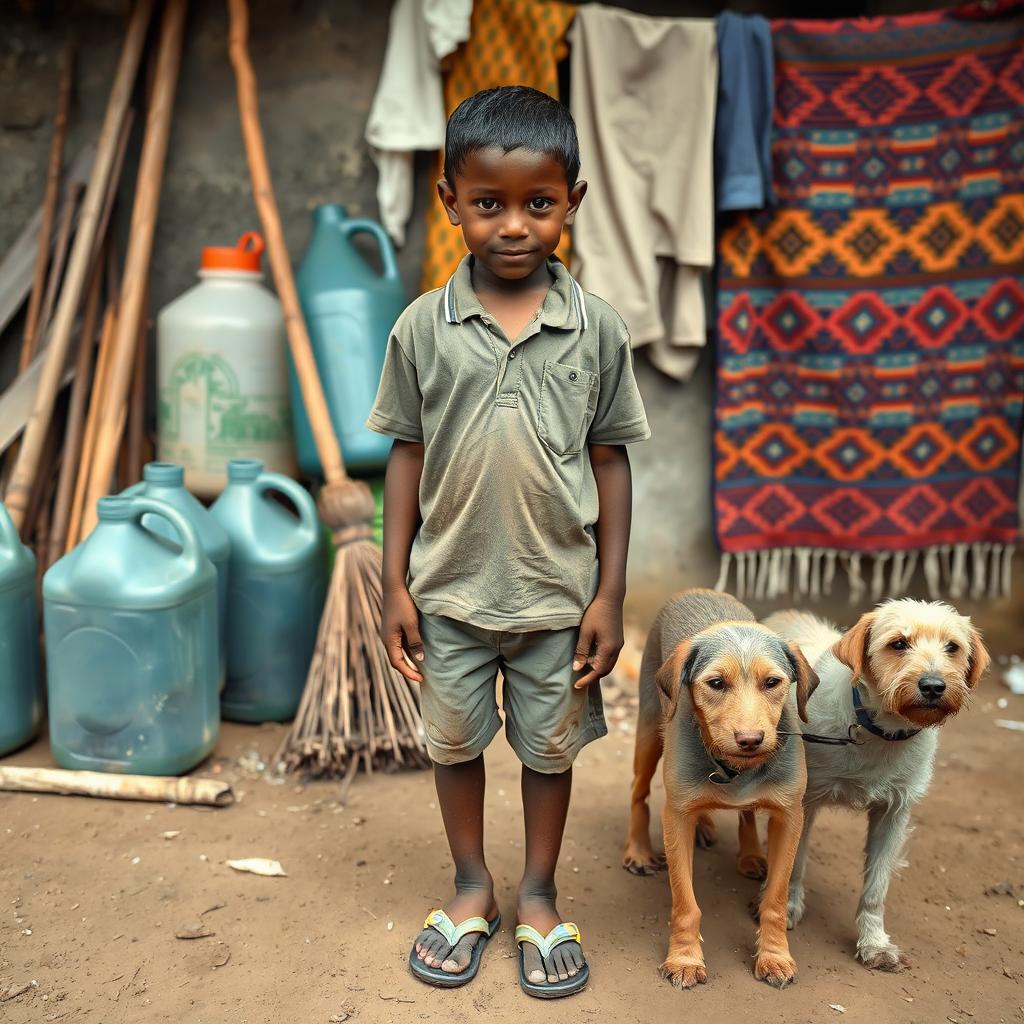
(563, 306)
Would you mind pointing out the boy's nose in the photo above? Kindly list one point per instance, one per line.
(512, 227)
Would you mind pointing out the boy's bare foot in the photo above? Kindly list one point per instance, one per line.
(432, 947)
(565, 961)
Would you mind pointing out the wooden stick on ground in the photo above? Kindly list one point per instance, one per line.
(116, 787)
(20, 486)
(137, 402)
(379, 723)
(137, 259)
(30, 340)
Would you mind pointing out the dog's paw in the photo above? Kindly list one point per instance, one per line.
(882, 958)
(795, 909)
(752, 865)
(706, 835)
(642, 860)
(775, 970)
(683, 975)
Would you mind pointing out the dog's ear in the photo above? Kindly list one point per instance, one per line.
(805, 676)
(852, 647)
(675, 674)
(978, 662)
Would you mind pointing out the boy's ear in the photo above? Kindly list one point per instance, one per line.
(447, 196)
(576, 194)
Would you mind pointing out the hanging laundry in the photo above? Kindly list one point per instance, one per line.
(643, 96)
(743, 121)
(871, 327)
(408, 108)
(511, 42)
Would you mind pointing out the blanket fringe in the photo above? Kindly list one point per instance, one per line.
(957, 570)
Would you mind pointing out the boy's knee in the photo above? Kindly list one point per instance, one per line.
(455, 739)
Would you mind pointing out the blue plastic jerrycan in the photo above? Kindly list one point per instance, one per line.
(165, 481)
(349, 310)
(277, 583)
(21, 688)
(131, 645)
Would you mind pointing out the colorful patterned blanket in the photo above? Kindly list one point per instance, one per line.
(871, 326)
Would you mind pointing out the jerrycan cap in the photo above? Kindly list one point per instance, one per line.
(244, 470)
(166, 474)
(246, 254)
(112, 509)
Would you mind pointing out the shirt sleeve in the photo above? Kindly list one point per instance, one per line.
(620, 416)
(396, 412)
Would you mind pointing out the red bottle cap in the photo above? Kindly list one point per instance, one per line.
(245, 255)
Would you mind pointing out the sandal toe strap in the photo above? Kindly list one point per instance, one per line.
(565, 931)
(452, 932)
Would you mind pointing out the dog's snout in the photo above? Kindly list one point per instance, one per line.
(931, 687)
(749, 740)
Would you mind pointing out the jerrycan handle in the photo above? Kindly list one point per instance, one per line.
(191, 551)
(9, 537)
(358, 226)
(295, 493)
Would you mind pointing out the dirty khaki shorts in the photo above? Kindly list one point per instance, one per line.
(547, 721)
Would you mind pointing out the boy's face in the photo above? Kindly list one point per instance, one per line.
(511, 207)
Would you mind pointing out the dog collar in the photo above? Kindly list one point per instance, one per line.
(866, 721)
(724, 774)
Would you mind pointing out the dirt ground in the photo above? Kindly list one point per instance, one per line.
(92, 893)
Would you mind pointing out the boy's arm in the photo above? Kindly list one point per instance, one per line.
(400, 621)
(601, 629)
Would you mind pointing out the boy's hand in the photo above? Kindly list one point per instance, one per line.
(400, 631)
(600, 641)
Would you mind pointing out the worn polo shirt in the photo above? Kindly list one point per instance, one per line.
(507, 496)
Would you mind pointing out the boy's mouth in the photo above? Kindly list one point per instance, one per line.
(511, 254)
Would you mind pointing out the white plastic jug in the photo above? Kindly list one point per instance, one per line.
(222, 374)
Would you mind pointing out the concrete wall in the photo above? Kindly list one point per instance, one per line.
(317, 63)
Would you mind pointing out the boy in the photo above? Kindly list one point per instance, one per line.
(510, 395)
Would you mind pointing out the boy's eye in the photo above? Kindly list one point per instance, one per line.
(487, 204)
(540, 203)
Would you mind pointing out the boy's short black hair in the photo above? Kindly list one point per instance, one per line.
(512, 117)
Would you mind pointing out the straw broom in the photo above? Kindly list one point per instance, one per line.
(356, 710)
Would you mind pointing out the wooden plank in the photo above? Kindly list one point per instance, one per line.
(18, 265)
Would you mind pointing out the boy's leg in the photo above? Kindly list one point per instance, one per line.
(547, 721)
(460, 793)
(460, 717)
(545, 805)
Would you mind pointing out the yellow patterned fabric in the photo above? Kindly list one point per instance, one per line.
(511, 42)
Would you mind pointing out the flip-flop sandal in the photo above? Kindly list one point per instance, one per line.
(441, 922)
(564, 932)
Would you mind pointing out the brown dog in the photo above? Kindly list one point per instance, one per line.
(718, 709)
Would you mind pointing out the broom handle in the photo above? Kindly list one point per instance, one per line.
(134, 280)
(19, 489)
(327, 445)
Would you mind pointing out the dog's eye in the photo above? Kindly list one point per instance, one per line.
(900, 645)
(716, 683)
(952, 647)
(771, 682)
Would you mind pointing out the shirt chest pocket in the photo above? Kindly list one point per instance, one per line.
(568, 399)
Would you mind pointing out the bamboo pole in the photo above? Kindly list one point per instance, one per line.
(76, 422)
(137, 258)
(137, 406)
(157, 788)
(60, 255)
(20, 486)
(30, 338)
(96, 400)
